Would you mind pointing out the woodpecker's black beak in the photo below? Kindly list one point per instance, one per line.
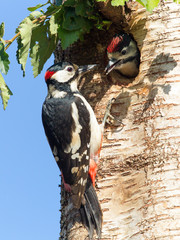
(86, 68)
(111, 65)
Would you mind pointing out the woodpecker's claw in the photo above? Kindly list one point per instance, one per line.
(107, 112)
(108, 115)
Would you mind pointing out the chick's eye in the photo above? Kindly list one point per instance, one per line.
(123, 52)
(69, 69)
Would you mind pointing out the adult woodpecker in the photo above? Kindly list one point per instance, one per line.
(74, 136)
(123, 55)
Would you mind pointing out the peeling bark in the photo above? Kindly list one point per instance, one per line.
(138, 181)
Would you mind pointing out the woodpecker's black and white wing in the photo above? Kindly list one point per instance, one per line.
(67, 126)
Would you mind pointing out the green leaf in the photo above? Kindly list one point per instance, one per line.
(58, 2)
(19, 45)
(5, 92)
(142, 2)
(84, 8)
(51, 9)
(25, 29)
(31, 9)
(149, 4)
(72, 22)
(68, 37)
(4, 59)
(35, 14)
(53, 25)
(42, 46)
(177, 1)
(1, 30)
(69, 3)
(117, 3)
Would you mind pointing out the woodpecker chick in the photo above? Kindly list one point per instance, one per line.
(123, 55)
(74, 136)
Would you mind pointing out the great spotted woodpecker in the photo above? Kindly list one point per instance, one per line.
(74, 136)
(123, 55)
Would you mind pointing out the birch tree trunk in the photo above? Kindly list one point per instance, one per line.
(138, 181)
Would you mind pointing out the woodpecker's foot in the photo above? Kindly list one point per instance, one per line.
(92, 170)
(107, 112)
(107, 115)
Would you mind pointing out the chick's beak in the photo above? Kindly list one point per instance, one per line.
(111, 65)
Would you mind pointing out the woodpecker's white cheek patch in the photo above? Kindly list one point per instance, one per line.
(62, 76)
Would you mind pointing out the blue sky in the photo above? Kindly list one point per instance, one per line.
(29, 176)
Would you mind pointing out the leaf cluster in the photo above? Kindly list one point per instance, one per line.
(37, 35)
(40, 31)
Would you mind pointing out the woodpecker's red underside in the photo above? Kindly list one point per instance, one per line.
(48, 75)
(93, 164)
(93, 170)
(114, 45)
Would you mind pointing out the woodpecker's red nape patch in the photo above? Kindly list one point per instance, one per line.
(114, 45)
(48, 75)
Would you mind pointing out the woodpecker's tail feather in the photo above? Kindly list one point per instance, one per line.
(90, 211)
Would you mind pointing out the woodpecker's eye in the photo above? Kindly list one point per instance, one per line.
(69, 69)
(123, 52)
